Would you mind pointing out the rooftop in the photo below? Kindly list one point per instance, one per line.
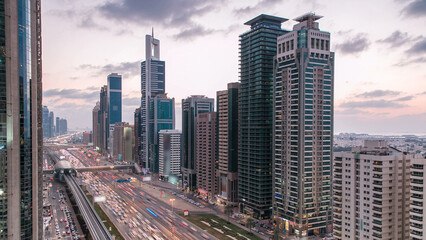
(308, 16)
(265, 17)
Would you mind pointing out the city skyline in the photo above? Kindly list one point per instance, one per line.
(371, 59)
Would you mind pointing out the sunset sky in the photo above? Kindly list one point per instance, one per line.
(380, 46)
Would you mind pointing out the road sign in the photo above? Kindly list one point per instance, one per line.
(185, 212)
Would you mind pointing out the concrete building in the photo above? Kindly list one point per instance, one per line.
(123, 142)
(303, 127)
(96, 125)
(227, 141)
(205, 161)
(371, 193)
(21, 121)
(86, 138)
(257, 50)
(152, 84)
(191, 108)
(170, 142)
(418, 199)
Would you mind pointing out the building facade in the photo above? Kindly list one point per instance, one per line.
(152, 84)
(205, 161)
(371, 193)
(227, 144)
(191, 108)
(96, 125)
(170, 142)
(63, 126)
(46, 122)
(21, 135)
(303, 127)
(257, 50)
(103, 119)
(418, 199)
(137, 150)
(123, 142)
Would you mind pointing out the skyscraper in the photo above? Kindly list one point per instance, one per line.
(205, 162)
(257, 50)
(96, 125)
(137, 150)
(51, 124)
(123, 142)
(21, 120)
(57, 126)
(46, 125)
(371, 193)
(103, 119)
(191, 108)
(418, 198)
(152, 89)
(63, 126)
(169, 153)
(227, 138)
(114, 98)
(303, 127)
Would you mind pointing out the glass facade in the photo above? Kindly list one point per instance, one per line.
(115, 104)
(257, 50)
(3, 128)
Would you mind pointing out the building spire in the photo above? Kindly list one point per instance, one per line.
(152, 32)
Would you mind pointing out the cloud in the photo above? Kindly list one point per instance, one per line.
(349, 112)
(193, 32)
(403, 99)
(416, 8)
(260, 4)
(418, 48)
(354, 45)
(372, 104)
(88, 23)
(123, 68)
(396, 39)
(411, 61)
(169, 13)
(84, 94)
(378, 93)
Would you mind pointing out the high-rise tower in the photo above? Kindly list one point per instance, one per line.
(191, 108)
(153, 93)
(257, 49)
(21, 120)
(303, 127)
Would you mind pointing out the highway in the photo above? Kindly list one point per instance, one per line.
(94, 223)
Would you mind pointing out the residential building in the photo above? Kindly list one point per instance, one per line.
(371, 193)
(205, 161)
(21, 121)
(169, 154)
(303, 127)
(191, 108)
(257, 50)
(227, 144)
(96, 125)
(152, 84)
(418, 199)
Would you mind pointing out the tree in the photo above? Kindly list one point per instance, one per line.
(250, 223)
(229, 209)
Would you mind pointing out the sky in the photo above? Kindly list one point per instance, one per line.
(380, 54)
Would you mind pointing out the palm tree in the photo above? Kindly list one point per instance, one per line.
(250, 223)
(229, 209)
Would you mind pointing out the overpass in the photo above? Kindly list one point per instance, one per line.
(95, 225)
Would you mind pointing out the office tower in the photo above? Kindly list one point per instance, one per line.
(205, 159)
(417, 199)
(114, 98)
(371, 193)
(51, 124)
(46, 122)
(257, 49)
(303, 127)
(161, 117)
(137, 153)
(191, 108)
(227, 138)
(21, 121)
(152, 84)
(103, 120)
(123, 142)
(96, 125)
(169, 154)
(57, 126)
(63, 126)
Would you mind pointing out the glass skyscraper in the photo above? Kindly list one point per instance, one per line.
(20, 120)
(303, 128)
(257, 50)
(114, 98)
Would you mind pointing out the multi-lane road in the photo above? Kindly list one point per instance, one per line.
(136, 213)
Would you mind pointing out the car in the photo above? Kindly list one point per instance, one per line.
(61, 220)
(53, 197)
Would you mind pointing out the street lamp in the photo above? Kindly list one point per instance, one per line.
(172, 200)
